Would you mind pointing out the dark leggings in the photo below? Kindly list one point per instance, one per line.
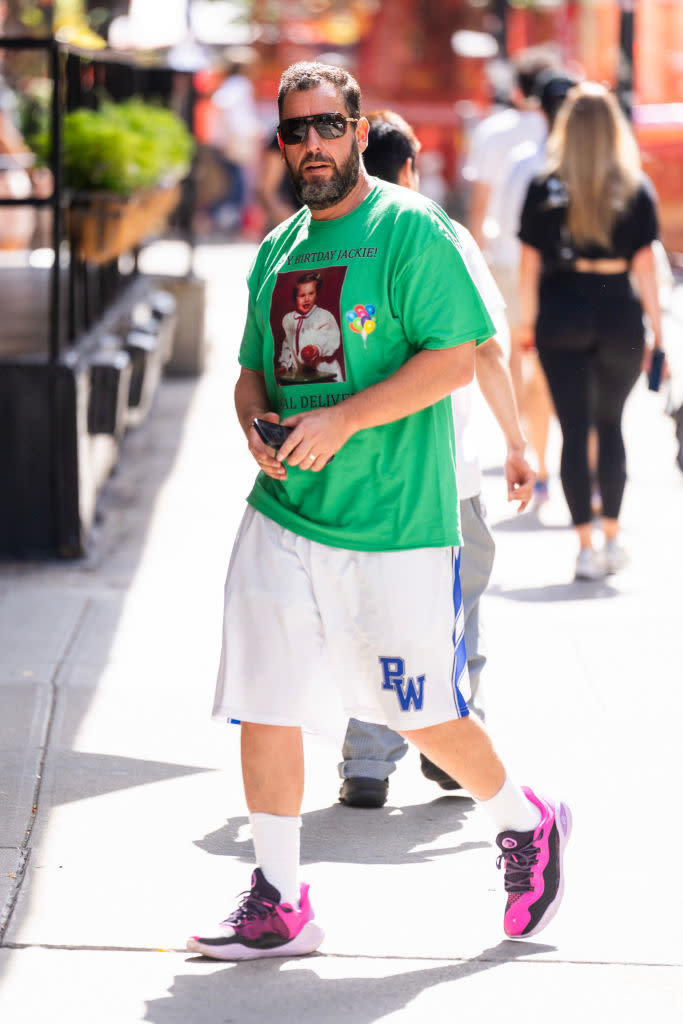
(591, 382)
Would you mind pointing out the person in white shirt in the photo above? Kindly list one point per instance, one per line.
(236, 137)
(370, 751)
(491, 142)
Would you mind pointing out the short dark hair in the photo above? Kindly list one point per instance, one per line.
(391, 141)
(529, 64)
(551, 88)
(306, 75)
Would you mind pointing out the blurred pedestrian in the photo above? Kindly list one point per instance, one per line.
(493, 139)
(20, 179)
(273, 189)
(485, 169)
(588, 223)
(522, 164)
(371, 750)
(343, 581)
(237, 139)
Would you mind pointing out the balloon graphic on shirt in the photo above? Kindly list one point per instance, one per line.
(361, 319)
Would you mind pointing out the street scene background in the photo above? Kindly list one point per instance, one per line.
(123, 827)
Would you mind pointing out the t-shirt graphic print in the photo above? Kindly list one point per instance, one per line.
(307, 336)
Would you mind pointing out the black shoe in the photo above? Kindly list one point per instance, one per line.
(432, 772)
(358, 791)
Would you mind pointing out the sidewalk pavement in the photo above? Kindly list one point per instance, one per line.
(122, 822)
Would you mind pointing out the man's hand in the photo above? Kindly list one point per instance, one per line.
(316, 437)
(264, 455)
(520, 479)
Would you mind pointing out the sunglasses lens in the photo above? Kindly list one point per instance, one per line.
(328, 126)
(293, 131)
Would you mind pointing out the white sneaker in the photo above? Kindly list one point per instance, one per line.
(615, 557)
(590, 565)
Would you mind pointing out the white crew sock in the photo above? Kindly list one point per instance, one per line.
(276, 846)
(510, 810)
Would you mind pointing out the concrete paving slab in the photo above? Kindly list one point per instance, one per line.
(152, 860)
(122, 987)
(24, 717)
(90, 825)
(98, 629)
(36, 626)
(12, 862)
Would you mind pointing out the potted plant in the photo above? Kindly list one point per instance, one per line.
(123, 164)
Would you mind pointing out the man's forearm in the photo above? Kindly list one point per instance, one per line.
(495, 382)
(422, 381)
(251, 397)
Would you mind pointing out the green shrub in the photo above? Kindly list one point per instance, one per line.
(121, 147)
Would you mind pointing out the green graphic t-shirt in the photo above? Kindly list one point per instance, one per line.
(334, 307)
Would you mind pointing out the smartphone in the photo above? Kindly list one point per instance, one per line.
(272, 434)
(655, 375)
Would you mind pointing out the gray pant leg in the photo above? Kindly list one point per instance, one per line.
(370, 750)
(476, 563)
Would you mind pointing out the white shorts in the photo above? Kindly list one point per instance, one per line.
(312, 631)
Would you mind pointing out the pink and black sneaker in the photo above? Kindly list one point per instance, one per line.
(534, 879)
(262, 926)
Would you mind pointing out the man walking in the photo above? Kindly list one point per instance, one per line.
(344, 574)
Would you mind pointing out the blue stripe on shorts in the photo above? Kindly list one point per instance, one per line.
(459, 651)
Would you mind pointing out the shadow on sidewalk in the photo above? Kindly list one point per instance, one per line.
(576, 590)
(528, 522)
(59, 623)
(385, 837)
(266, 990)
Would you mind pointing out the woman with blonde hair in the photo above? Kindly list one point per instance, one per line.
(587, 230)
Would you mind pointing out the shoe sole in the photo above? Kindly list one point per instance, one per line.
(555, 905)
(372, 796)
(307, 941)
(366, 806)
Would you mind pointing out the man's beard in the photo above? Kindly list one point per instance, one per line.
(319, 195)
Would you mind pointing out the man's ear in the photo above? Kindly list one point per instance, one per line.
(362, 129)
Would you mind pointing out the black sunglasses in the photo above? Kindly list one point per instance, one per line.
(294, 130)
